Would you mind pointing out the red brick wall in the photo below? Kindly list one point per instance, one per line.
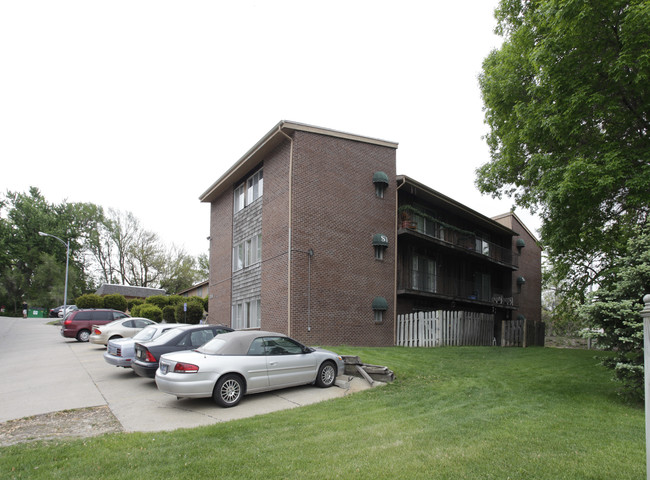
(275, 238)
(336, 213)
(529, 296)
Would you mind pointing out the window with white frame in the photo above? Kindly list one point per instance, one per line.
(247, 314)
(247, 253)
(239, 197)
(249, 191)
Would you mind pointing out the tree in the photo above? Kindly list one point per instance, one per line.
(567, 101)
(28, 261)
(616, 310)
(180, 271)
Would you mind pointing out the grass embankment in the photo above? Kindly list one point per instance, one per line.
(453, 413)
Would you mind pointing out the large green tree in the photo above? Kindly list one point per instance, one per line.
(33, 266)
(615, 310)
(567, 102)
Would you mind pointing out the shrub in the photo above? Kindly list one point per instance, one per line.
(152, 312)
(176, 299)
(90, 300)
(169, 314)
(133, 303)
(161, 301)
(194, 312)
(115, 301)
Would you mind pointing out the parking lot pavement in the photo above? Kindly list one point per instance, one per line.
(44, 372)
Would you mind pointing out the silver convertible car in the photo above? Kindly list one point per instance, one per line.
(234, 364)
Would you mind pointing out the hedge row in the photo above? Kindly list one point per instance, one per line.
(169, 308)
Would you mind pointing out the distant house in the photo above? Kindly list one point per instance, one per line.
(198, 290)
(128, 291)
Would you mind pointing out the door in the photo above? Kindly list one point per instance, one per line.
(287, 363)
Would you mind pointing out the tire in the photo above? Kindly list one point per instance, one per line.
(228, 390)
(83, 335)
(326, 375)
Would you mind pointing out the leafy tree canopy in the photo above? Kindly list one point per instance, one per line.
(567, 101)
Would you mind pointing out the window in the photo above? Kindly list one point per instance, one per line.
(254, 187)
(482, 246)
(247, 314)
(249, 191)
(423, 274)
(238, 257)
(379, 190)
(282, 346)
(247, 253)
(379, 252)
(239, 198)
(379, 316)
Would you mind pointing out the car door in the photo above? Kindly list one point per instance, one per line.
(287, 363)
(253, 366)
(128, 328)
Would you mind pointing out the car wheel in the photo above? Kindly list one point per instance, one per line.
(326, 375)
(83, 335)
(229, 390)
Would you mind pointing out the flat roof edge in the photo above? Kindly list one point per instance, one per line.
(278, 129)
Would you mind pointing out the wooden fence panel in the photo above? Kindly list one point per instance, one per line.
(445, 328)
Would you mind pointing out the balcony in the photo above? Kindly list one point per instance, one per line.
(425, 227)
(452, 288)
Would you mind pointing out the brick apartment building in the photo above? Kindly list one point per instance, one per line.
(309, 237)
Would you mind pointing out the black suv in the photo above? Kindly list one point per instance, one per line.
(79, 323)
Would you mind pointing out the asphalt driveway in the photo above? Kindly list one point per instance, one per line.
(43, 372)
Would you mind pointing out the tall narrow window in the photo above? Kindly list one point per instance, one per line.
(249, 191)
(239, 198)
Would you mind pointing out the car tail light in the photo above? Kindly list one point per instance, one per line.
(118, 352)
(67, 322)
(186, 368)
(149, 357)
(97, 331)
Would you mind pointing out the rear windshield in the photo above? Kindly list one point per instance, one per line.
(145, 334)
(212, 347)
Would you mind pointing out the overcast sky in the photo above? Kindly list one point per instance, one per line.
(142, 105)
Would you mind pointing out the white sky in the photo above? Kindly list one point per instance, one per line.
(142, 105)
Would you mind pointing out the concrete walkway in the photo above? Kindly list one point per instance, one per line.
(43, 372)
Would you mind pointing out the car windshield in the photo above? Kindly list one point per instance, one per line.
(168, 335)
(213, 347)
(145, 334)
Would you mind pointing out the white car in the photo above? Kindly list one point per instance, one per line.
(122, 328)
(64, 310)
(234, 364)
(121, 351)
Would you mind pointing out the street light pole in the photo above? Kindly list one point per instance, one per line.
(67, 259)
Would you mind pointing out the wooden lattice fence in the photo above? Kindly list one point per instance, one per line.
(442, 328)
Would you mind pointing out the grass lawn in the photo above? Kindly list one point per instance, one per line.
(452, 413)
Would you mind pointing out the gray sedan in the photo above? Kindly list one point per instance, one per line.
(234, 364)
(121, 351)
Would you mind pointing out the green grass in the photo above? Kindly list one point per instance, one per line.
(452, 413)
